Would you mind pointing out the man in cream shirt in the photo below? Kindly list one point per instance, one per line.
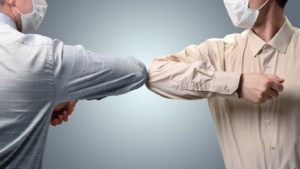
(252, 84)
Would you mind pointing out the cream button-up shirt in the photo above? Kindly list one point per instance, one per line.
(251, 136)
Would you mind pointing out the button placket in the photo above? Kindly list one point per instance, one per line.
(266, 59)
(270, 131)
(267, 127)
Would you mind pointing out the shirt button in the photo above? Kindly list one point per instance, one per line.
(268, 123)
(227, 89)
(272, 148)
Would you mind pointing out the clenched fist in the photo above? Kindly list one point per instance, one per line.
(62, 112)
(259, 88)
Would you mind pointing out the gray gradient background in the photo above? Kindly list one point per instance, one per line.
(139, 130)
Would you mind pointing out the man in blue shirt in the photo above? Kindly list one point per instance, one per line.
(37, 73)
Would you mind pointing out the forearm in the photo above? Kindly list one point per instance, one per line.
(84, 75)
(197, 80)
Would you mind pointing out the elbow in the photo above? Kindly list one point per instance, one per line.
(140, 74)
(151, 84)
(158, 85)
(161, 84)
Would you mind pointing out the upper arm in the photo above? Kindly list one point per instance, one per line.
(210, 52)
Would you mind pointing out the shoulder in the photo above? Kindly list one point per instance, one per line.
(297, 32)
(43, 48)
(235, 38)
(296, 29)
(34, 40)
(230, 41)
(38, 42)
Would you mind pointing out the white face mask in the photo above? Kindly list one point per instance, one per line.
(240, 13)
(32, 21)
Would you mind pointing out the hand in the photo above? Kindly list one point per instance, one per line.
(259, 88)
(62, 112)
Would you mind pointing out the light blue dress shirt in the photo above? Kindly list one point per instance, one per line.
(36, 73)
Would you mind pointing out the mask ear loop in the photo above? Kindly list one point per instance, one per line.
(18, 11)
(18, 26)
(263, 5)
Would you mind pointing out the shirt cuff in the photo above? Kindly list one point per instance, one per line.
(227, 83)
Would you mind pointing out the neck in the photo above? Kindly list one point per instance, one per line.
(269, 23)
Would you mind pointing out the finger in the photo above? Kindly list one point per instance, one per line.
(65, 116)
(60, 119)
(55, 114)
(277, 86)
(273, 93)
(54, 122)
(266, 97)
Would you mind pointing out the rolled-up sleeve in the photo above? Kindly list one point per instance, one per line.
(194, 73)
(80, 74)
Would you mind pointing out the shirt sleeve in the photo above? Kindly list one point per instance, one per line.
(80, 74)
(196, 72)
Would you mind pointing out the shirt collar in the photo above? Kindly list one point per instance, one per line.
(280, 41)
(7, 20)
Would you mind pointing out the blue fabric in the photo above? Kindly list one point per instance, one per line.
(37, 73)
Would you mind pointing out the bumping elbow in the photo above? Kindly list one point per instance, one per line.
(157, 84)
(142, 75)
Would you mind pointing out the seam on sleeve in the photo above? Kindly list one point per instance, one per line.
(50, 67)
(58, 89)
